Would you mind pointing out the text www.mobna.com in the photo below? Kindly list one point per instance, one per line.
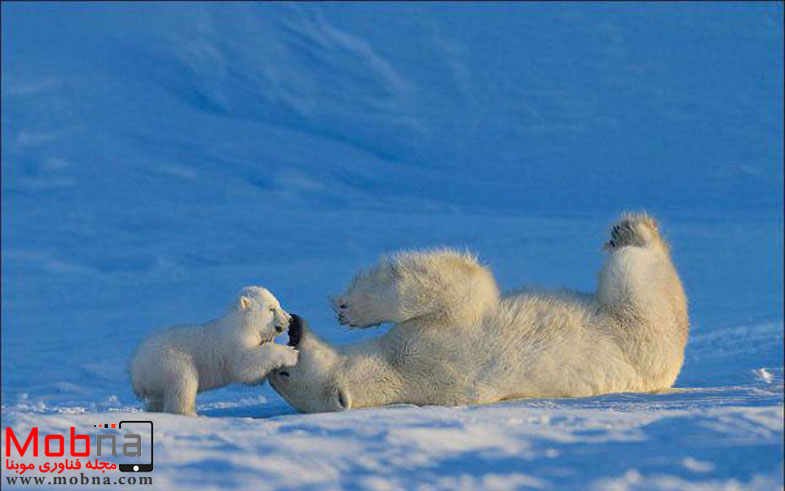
(81, 480)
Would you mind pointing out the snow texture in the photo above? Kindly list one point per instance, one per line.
(156, 158)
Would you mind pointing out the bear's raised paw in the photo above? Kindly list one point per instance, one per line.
(350, 313)
(635, 229)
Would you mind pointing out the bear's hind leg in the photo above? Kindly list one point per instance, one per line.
(180, 397)
(641, 293)
(638, 280)
(634, 229)
(154, 404)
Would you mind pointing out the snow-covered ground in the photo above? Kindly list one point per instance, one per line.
(158, 158)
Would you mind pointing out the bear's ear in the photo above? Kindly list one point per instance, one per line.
(342, 400)
(244, 303)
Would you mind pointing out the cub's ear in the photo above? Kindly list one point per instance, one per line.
(244, 303)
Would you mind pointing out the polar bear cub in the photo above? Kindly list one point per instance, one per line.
(170, 367)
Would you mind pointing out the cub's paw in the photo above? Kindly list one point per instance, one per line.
(289, 356)
(350, 312)
(283, 356)
(633, 229)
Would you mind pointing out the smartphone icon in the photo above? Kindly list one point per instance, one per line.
(142, 428)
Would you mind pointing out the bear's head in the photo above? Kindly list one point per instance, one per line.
(260, 312)
(312, 385)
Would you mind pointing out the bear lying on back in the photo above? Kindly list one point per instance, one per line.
(170, 367)
(455, 340)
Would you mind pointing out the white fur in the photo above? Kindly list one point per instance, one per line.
(170, 367)
(455, 341)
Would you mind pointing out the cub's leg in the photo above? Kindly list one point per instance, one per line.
(180, 395)
(441, 284)
(252, 365)
(155, 404)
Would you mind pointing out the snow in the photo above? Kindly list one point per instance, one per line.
(158, 158)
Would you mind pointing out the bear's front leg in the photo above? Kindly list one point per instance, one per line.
(254, 364)
(371, 299)
(440, 284)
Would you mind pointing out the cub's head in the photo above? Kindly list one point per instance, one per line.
(311, 385)
(260, 311)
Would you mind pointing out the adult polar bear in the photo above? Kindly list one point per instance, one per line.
(456, 341)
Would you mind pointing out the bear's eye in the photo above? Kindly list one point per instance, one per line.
(272, 309)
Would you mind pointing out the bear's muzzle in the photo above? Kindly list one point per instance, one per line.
(296, 327)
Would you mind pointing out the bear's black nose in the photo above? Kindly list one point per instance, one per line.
(296, 326)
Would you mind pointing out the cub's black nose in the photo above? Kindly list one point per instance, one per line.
(296, 326)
